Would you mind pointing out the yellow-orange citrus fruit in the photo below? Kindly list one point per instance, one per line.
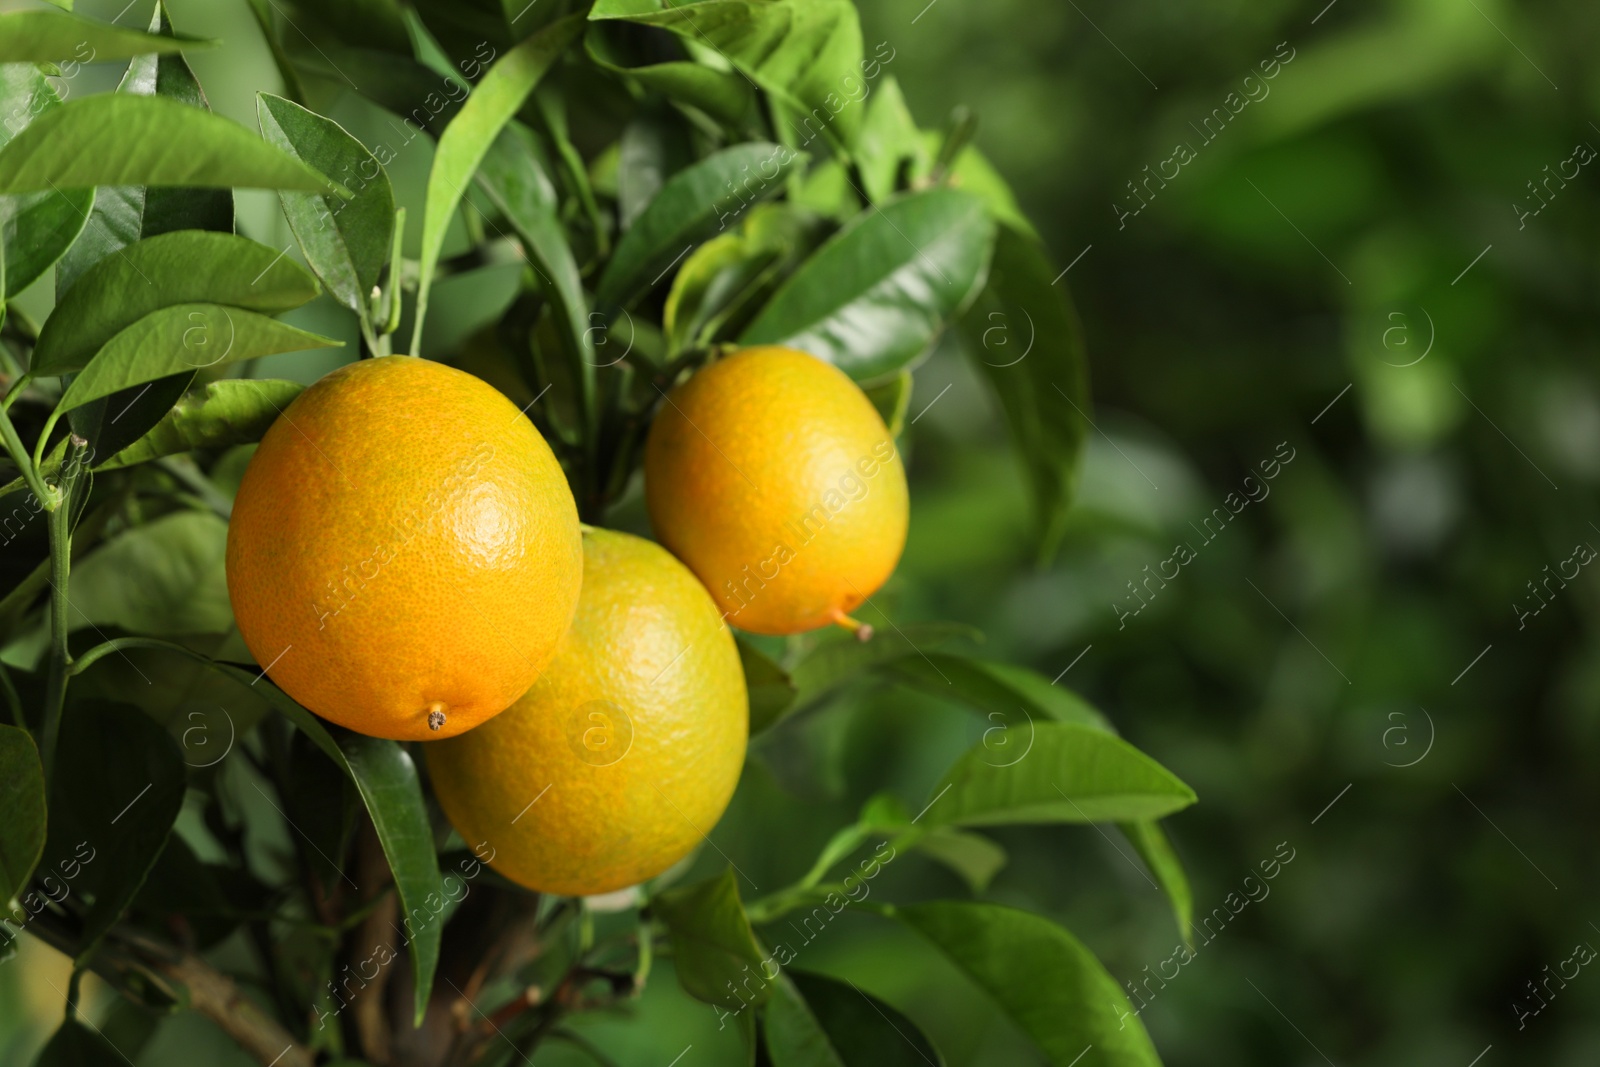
(404, 553)
(774, 478)
(625, 752)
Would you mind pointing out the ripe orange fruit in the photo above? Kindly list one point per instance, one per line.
(404, 552)
(774, 478)
(625, 752)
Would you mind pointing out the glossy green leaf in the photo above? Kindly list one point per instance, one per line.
(1150, 841)
(232, 411)
(346, 240)
(499, 94)
(804, 52)
(36, 229)
(516, 183)
(1023, 336)
(75, 1045)
(181, 339)
(1042, 978)
(724, 281)
(125, 213)
(654, 146)
(878, 294)
(892, 398)
(115, 793)
(713, 948)
(973, 857)
(163, 578)
(840, 659)
(187, 267)
(726, 95)
(120, 139)
(1061, 772)
(22, 811)
(972, 172)
(890, 145)
(55, 36)
(770, 687)
(1012, 696)
(814, 1021)
(697, 203)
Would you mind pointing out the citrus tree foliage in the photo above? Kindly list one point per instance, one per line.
(617, 192)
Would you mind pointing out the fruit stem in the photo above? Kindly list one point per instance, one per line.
(862, 630)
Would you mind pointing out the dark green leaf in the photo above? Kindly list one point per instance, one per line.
(1008, 694)
(806, 53)
(695, 204)
(890, 145)
(771, 689)
(1150, 841)
(188, 267)
(323, 803)
(877, 295)
(973, 857)
(840, 659)
(35, 228)
(75, 1045)
(112, 423)
(1023, 336)
(464, 143)
(1042, 978)
(232, 411)
(346, 241)
(124, 214)
(813, 1021)
(115, 793)
(162, 578)
(182, 339)
(1061, 772)
(654, 147)
(892, 398)
(22, 814)
(53, 36)
(713, 948)
(516, 183)
(120, 139)
(725, 95)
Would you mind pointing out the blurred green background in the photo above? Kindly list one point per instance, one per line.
(1369, 267)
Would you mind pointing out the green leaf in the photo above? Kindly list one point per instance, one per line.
(36, 229)
(725, 95)
(878, 294)
(892, 398)
(813, 1021)
(52, 36)
(807, 53)
(124, 214)
(842, 659)
(1023, 336)
(973, 857)
(116, 791)
(654, 146)
(722, 284)
(187, 267)
(770, 687)
(973, 173)
(163, 578)
(232, 411)
(515, 181)
(1067, 773)
(120, 139)
(1001, 690)
(75, 1045)
(22, 812)
(713, 948)
(346, 241)
(462, 146)
(695, 204)
(1150, 841)
(182, 339)
(890, 146)
(1042, 977)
